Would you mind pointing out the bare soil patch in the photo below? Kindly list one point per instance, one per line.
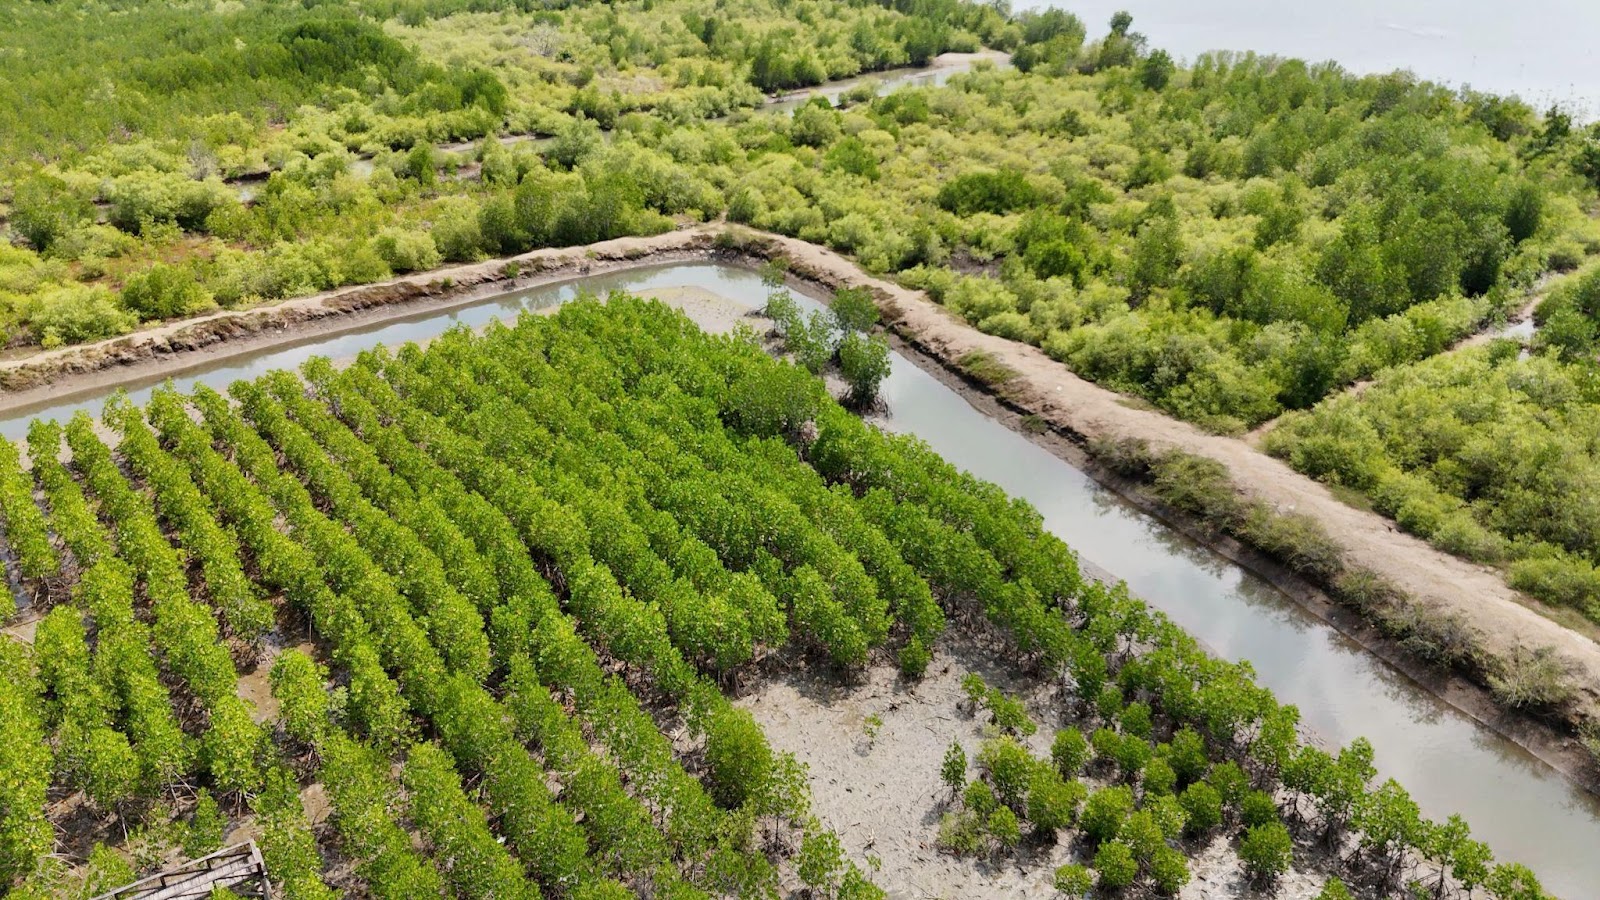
(884, 797)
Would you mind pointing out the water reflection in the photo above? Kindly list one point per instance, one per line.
(943, 69)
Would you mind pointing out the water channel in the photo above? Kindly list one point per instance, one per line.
(1522, 808)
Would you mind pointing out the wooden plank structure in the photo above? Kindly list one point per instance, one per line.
(238, 868)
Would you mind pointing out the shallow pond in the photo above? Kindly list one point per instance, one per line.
(1521, 807)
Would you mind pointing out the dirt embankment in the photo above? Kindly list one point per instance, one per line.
(1504, 621)
(24, 379)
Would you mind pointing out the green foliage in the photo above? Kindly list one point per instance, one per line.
(44, 209)
(165, 292)
(997, 192)
(953, 771)
(1202, 806)
(299, 684)
(1052, 803)
(76, 314)
(1074, 880)
(1483, 417)
(821, 860)
(1257, 808)
(1105, 811)
(738, 756)
(1169, 870)
(107, 870)
(1334, 890)
(1069, 752)
(962, 832)
(1115, 865)
(410, 507)
(1004, 828)
(207, 826)
(1009, 767)
(1010, 714)
(1267, 851)
(407, 251)
(864, 364)
(854, 309)
(979, 798)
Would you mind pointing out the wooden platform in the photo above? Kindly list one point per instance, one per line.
(238, 868)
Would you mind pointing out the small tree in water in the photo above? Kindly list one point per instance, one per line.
(864, 363)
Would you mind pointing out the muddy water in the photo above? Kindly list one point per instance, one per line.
(1522, 808)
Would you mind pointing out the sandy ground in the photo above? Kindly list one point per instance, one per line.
(44, 375)
(884, 796)
(711, 311)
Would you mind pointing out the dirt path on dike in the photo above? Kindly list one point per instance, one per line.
(1502, 619)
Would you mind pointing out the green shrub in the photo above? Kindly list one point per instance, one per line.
(407, 251)
(1169, 870)
(207, 826)
(953, 771)
(1143, 835)
(1159, 777)
(75, 314)
(1004, 828)
(737, 754)
(1267, 850)
(1116, 865)
(1257, 808)
(1105, 811)
(1230, 781)
(996, 192)
(854, 309)
(1074, 880)
(1186, 753)
(458, 235)
(864, 364)
(1136, 720)
(1052, 802)
(821, 860)
(165, 292)
(1070, 752)
(1009, 766)
(1202, 806)
(1560, 580)
(1334, 890)
(962, 833)
(979, 798)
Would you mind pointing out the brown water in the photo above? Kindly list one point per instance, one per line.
(1525, 811)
